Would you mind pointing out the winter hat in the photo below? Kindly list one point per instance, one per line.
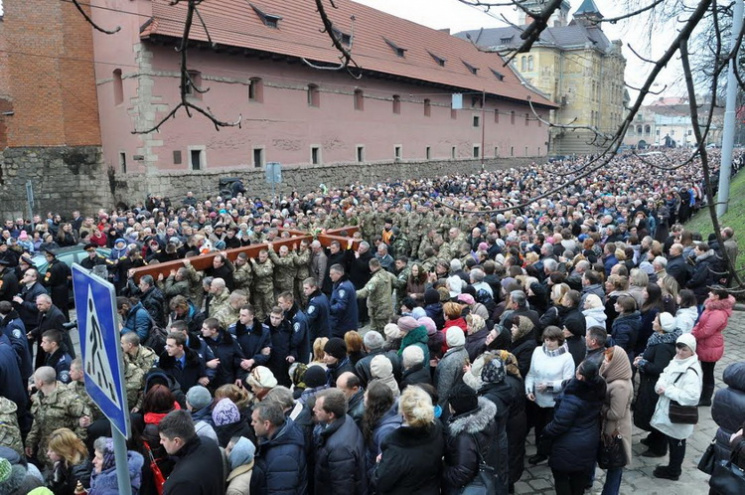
(391, 331)
(5, 470)
(455, 285)
(506, 282)
(198, 397)
(315, 376)
(336, 347)
(466, 299)
(261, 377)
(455, 337)
(11, 477)
(688, 340)
(225, 413)
(109, 458)
(667, 322)
(475, 323)
(456, 265)
(381, 367)
(493, 371)
(242, 453)
(429, 324)
(593, 301)
(431, 296)
(463, 398)
(23, 236)
(418, 312)
(407, 324)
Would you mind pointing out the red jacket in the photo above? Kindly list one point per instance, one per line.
(708, 330)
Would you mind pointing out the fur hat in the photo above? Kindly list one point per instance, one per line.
(493, 371)
(225, 413)
(199, 397)
(407, 324)
(455, 337)
(463, 398)
(667, 322)
(261, 377)
(688, 340)
(336, 347)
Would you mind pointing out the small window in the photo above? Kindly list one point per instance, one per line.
(453, 113)
(400, 52)
(359, 100)
(397, 152)
(512, 151)
(527, 119)
(258, 157)
(473, 70)
(530, 63)
(496, 116)
(118, 87)
(427, 107)
(476, 121)
(256, 89)
(690, 132)
(512, 117)
(428, 153)
(344, 38)
(438, 60)
(314, 96)
(647, 129)
(539, 151)
(315, 155)
(177, 157)
(396, 104)
(197, 157)
(526, 151)
(360, 154)
(123, 162)
(498, 74)
(476, 151)
(523, 63)
(194, 79)
(496, 152)
(452, 152)
(638, 129)
(269, 20)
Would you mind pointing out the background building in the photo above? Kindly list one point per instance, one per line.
(575, 65)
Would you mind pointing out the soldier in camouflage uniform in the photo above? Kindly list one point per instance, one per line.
(378, 293)
(220, 295)
(414, 231)
(176, 284)
(77, 386)
(401, 271)
(284, 268)
(367, 221)
(53, 406)
(302, 264)
(196, 292)
(263, 285)
(243, 275)
(400, 244)
(138, 360)
(10, 433)
(228, 314)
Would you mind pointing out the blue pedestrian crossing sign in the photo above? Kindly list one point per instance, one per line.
(95, 303)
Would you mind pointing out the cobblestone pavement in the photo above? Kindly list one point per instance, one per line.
(637, 478)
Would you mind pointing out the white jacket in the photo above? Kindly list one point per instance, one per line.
(686, 391)
(685, 319)
(551, 370)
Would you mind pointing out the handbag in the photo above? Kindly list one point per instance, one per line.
(483, 482)
(611, 452)
(707, 461)
(687, 415)
(728, 478)
(158, 477)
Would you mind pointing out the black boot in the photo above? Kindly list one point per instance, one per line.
(706, 392)
(677, 454)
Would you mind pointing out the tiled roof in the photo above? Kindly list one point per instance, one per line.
(562, 37)
(236, 23)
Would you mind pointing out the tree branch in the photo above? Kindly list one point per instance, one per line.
(90, 21)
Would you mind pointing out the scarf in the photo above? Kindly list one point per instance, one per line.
(152, 418)
(556, 352)
(663, 338)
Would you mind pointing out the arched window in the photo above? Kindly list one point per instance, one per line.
(647, 129)
(523, 64)
(530, 62)
(638, 129)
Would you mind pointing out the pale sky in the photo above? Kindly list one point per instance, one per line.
(452, 14)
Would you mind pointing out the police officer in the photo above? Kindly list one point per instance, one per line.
(298, 320)
(318, 310)
(8, 281)
(56, 355)
(95, 262)
(343, 304)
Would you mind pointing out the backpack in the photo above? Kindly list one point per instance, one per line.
(156, 338)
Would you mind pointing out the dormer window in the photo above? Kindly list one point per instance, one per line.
(269, 20)
(344, 38)
(439, 60)
(400, 52)
(497, 74)
(473, 70)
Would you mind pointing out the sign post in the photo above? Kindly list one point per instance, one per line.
(95, 303)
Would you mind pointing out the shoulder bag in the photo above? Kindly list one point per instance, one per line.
(611, 452)
(708, 459)
(728, 478)
(483, 482)
(687, 415)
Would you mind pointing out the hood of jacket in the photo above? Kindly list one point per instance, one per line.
(720, 305)
(287, 435)
(596, 313)
(734, 375)
(473, 421)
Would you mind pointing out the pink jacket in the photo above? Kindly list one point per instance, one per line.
(708, 330)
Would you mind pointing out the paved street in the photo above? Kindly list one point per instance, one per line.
(638, 479)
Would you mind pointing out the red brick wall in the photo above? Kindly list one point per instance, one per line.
(49, 81)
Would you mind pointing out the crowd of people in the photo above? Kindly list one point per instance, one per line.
(473, 310)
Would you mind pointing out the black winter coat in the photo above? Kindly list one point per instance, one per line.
(419, 373)
(522, 349)
(574, 432)
(193, 370)
(728, 408)
(281, 348)
(252, 342)
(63, 479)
(230, 354)
(470, 437)
(517, 428)
(625, 332)
(27, 309)
(198, 470)
(703, 277)
(230, 430)
(503, 396)
(411, 461)
(339, 457)
(656, 357)
(362, 367)
(476, 343)
(280, 464)
(575, 321)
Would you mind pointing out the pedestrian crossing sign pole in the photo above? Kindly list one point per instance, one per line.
(95, 304)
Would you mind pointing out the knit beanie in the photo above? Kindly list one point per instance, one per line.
(429, 324)
(688, 340)
(407, 324)
(5, 470)
(431, 296)
(455, 285)
(198, 397)
(381, 367)
(455, 337)
(493, 371)
(315, 376)
(242, 453)
(667, 322)
(225, 413)
(391, 331)
(466, 299)
(336, 347)
(261, 377)
(418, 312)
(463, 398)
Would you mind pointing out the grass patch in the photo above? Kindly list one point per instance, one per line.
(735, 217)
